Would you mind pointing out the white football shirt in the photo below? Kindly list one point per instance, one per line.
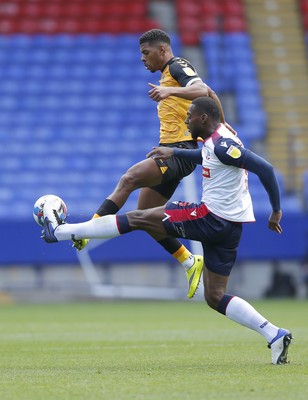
(225, 183)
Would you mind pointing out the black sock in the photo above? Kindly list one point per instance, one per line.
(170, 244)
(108, 207)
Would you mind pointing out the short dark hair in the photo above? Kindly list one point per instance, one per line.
(207, 105)
(155, 35)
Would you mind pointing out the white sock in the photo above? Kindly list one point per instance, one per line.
(243, 313)
(97, 228)
(189, 262)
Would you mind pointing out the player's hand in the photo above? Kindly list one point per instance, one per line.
(80, 244)
(274, 221)
(158, 93)
(161, 152)
(230, 128)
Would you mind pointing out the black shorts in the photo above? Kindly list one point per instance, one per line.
(220, 238)
(174, 169)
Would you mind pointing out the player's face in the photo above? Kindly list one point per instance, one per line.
(152, 56)
(194, 122)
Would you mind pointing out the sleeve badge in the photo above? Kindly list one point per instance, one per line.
(234, 152)
(188, 71)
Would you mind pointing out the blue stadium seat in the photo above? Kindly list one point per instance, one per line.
(247, 84)
(305, 188)
(67, 96)
(85, 118)
(238, 39)
(231, 68)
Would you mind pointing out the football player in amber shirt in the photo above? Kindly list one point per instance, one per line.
(158, 178)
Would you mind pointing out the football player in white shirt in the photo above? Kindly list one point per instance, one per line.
(216, 222)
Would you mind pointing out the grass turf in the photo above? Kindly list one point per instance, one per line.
(148, 351)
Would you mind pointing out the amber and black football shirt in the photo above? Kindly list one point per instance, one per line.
(172, 111)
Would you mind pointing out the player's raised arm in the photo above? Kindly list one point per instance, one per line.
(190, 92)
(244, 158)
(267, 176)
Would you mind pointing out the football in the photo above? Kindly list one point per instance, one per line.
(60, 207)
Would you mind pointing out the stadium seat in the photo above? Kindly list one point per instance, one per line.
(66, 95)
(75, 17)
(305, 188)
(62, 89)
(231, 68)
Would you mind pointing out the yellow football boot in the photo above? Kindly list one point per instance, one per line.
(193, 275)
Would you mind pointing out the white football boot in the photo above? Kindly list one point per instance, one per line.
(279, 346)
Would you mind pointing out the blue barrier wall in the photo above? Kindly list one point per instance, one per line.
(21, 244)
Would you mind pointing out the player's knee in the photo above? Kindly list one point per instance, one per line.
(129, 181)
(137, 219)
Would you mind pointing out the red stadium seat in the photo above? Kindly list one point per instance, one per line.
(30, 9)
(8, 26)
(197, 16)
(305, 21)
(189, 29)
(211, 23)
(210, 8)
(232, 8)
(304, 6)
(234, 24)
(74, 16)
(187, 8)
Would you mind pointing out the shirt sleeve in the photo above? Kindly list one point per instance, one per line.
(231, 153)
(183, 72)
(193, 155)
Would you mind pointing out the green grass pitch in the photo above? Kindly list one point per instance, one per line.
(146, 351)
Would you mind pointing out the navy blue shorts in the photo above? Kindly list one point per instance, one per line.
(220, 238)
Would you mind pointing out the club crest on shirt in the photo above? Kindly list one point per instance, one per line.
(234, 152)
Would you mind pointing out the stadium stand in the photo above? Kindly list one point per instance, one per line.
(201, 16)
(305, 185)
(231, 68)
(74, 16)
(303, 5)
(74, 110)
(64, 101)
(281, 58)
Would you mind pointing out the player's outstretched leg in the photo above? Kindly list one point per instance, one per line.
(243, 313)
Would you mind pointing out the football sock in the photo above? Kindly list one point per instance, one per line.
(106, 208)
(178, 251)
(171, 245)
(243, 313)
(99, 228)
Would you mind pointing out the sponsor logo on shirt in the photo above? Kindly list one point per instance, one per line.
(206, 172)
